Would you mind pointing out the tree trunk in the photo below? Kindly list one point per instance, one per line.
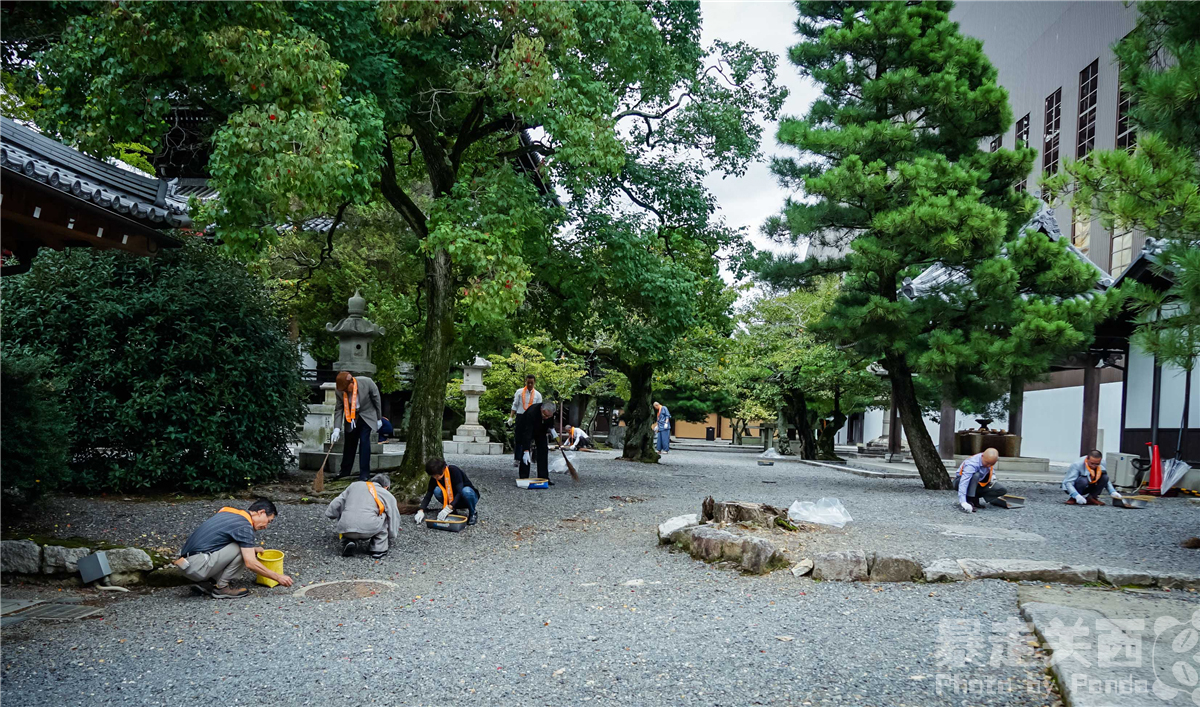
(735, 430)
(925, 454)
(798, 406)
(782, 445)
(946, 430)
(829, 430)
(639, 415)
(589, 414)
(428, 402)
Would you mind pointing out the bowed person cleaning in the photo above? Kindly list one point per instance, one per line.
(449, 486)
(366, 510)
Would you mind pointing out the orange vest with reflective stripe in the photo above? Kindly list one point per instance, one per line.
(448, 489)
(238, 511)
(378, 503)
(982, 482)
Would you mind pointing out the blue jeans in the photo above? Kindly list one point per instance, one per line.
(467, 498)
(662, 440)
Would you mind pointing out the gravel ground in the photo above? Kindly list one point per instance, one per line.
(531, 606)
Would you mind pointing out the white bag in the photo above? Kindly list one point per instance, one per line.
(771, 453)
(557, 464)
(827, 511)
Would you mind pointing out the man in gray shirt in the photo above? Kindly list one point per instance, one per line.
(366, 510)
(224, 545)
(1085, 479)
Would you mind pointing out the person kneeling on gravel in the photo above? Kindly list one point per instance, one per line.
(366, 510)
(1088, 477)
(977, 481)
(223, 545)
(449, 487)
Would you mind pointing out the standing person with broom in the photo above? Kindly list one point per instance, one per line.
(522, 399)
(358, 411)
(533, 428)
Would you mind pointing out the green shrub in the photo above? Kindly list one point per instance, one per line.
(35, 430)
(178, 370)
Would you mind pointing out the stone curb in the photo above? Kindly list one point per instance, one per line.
(29, 561)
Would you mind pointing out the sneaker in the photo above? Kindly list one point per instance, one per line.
(549, 482)
(348, 547)
(473, 519)
(228, 593)
(378, 555)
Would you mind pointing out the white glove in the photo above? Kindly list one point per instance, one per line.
(554, 434)
(378, 425)
(335, 435)
(419, 517)
(525, 457)
(1117, 495)
(444, 513)
(1080, 500)
(967, 507)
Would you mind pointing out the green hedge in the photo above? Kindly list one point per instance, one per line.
(35, 429)
(178, 371)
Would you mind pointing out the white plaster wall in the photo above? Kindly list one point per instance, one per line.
(1053, 422)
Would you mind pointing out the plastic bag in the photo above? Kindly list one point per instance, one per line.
(827, 511)
(1173, 471)
(557, 464)
(771, 453)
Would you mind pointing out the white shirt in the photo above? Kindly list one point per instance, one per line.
(577, 436)
(518, 405)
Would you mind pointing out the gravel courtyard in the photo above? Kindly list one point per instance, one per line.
(563, 597)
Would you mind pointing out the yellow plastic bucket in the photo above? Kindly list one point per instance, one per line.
(272, 560)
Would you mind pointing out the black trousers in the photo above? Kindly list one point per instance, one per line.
(987, 493)
(541, 456)
(1087, 489)
(356, 440)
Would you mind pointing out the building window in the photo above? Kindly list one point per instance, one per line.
(997, 143)
(1022, 141)
(1081, 231)
(1050, 134)
(1121, 254)
(1085, 131)
(1126, 137)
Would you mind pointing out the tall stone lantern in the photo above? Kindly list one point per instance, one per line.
(471, 437)
(355, 334)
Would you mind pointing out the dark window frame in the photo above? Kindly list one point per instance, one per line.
(1050, 135)
(1085, 121)
(1022, 135)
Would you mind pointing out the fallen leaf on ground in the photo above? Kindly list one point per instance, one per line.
(786, 638)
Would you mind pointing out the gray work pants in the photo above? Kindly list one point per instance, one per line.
(379, 541)
(223, 565)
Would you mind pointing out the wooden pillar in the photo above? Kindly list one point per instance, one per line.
(946, 430)
(1155, 400)
(1016, 406)
(894, 429)
(1091, 407)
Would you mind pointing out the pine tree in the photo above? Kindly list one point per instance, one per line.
(895, 180)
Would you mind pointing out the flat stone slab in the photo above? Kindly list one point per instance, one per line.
(1120, 577)
(895, 568)
(944, 571)
(668, 527)
(1036, 570)
(985, 533)
(57, 559)
(20, 556)
(846, 566)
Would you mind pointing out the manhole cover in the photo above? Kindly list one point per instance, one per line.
(345, 589)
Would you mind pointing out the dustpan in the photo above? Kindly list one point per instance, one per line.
(1009, 501)
(532, 484)
(453, 523)
(1129, 503)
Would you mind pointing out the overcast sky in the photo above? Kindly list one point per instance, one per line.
(748, 200)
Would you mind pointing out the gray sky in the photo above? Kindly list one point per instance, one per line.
(748, 200)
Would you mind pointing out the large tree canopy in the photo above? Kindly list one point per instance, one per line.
(462, 117)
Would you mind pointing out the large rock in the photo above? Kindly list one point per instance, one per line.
(1035, 570)
(668, 527)
(57, 559)
(168, 576)
(20, 556)
(847, 566)
(711, 544)
(126, 579)
(802, 568)
(895, 568)
(129, 559)
(944, 571)
(1178, 581)
(1121, 577)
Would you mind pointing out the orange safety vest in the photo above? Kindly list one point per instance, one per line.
(238, 511)
(448, 489)
(371, 488)
(984, 482)
(1093, 473)
(527, 396)
(350, 401)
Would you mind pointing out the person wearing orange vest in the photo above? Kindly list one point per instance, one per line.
(366, 510)
(576, 438)
(977, 481)
(358, 411)
(223, 545)
(449, 489)
(523, 399)
(1085, 479)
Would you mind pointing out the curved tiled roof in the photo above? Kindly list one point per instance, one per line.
(35, 156)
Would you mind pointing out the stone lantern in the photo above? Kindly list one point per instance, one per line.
(471, 437)
(355, 334)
